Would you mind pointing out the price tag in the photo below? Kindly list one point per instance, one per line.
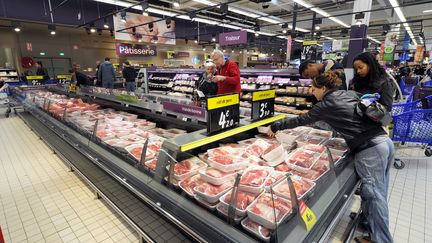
(307, 215)
(63, 79)
(35, 80)
(223, 112)
(72, 87)
(263, 104)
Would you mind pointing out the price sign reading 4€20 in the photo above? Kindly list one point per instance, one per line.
(262, 104)
(223, 112)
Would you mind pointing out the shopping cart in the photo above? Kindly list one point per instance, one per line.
(407, 84)
(414, 124)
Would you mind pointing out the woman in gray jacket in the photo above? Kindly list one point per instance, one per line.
(372, 149)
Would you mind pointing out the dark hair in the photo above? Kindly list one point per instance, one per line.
(374, 78)
(303, 66)
(328, 79)
(107, 59)
(39, 62)
(127, 63)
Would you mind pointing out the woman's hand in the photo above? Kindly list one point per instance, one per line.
(270, 133)
(218, 78)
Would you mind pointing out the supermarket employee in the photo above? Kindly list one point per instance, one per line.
(228, 74)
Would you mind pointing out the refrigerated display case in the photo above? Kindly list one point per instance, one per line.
(155, 178)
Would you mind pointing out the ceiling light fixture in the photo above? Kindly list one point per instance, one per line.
(150, 26)
(176, 4)
(106, 25)
(402, 18)
(144, 7)
(16, 25)
(256, 34)
(427, 11)
(52, 29)
(317, 27)
(168, 23)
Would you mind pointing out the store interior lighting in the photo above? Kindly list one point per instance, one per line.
(401, 16)
(123, 16)
(92, 28)
(150, 26)
(256, 34)
(427, 11)
(106, 25)
(16, 25)
(144, 6)
(176, 4)
(52, 29)
(359, 18)
(168, 23)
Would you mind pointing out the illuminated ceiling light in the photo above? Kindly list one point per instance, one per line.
(106, 25)
(204, 49)
(123, 16)
(427, 11)
(284, 31)
(256, 34)
(176, 4)
(52, 29)
(402, 18)
(144, 7)
(16, 25)
(317, 27)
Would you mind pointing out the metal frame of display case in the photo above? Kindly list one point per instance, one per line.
(200, 224)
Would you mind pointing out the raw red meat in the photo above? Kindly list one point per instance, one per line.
(215, 173)
(274, 177)
(303, 158)
(321, 133)
(151, 164)
(310, 139)
(314, 148)
(212, 190)
(301, 186)
(190, 183)
(257, 148)
(254, 177)
(337, 144)
(221, 151)
(311, 174)
(264, 208)
(136, 152)
(243, 199)
(259, 229)
(271, 147)
(321, 166)
(224, 160)
(187, 166)
(283, 167)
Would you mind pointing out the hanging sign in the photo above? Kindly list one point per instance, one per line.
(223, 112)
(263, 104)
(418, 56)
(288, 51)
(170, 54)
(233, 38)
(182, 54)
(123, 49)
(389, 46)
(309, 50)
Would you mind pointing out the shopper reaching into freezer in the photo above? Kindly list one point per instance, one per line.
(372, 149)
(106, 74)
(228, 74)
(310, 69)
(370, 77)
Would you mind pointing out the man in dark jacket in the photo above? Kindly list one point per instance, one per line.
(106, 73)
(41, 71)
(310, 69)
(129, 76)
(79, 78)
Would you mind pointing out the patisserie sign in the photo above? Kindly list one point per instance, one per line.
(233, 38)
(135, 50)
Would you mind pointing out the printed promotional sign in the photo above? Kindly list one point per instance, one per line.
(183, 54)
(418, 56)
(233, 38)
(223, 112)
(160, 29)
(188, 110)
(289, 46)
(263, 104)
(309, 50)
(123, 49)
(389, 46)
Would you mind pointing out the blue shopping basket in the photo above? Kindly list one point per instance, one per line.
(413, 126)
(410, 106)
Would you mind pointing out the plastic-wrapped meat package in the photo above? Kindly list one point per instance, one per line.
(132, 138)
(244, 199)
(105, 134)
(311, 174)
(117, 142)
(302, 129)
(151, 164)
(256, 229)
(301, 186)
(225, 151)
(227, 164)
(287, 136)
(187, 168)
(248, 141)
(306, 139)
(275, 154)
(204, 156)
(314, 148)
(211, 193)
(255, 176)
(283, 167)
(190, 183)
(303, 159)
(216, 177)
(257, 148)
(337, 144)
(136, 151)
(274, 178)
(321, 133)
(263, 211)
(253, 160)
(223, 160)
(334, 156)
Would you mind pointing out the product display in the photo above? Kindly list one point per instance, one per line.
(8, 75)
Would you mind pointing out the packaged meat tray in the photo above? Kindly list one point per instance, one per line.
(225, 151)
(302, 187)
(256, 229)
(254, 178)
(288, 136)
(321, 133)
(302, 140)
(283, 167)
(264, 213)
(275, 154)
(151, 164)
(216, 177)
(212, 193)
(227, 164)
(248, 141)
(118, 143)
(320, 168)
(264, 130)
(337, 145)
(223, 211)
(210, 206)
(301, 159)
(314, 148)
(187, 167)
(132, 138)
(136, 150)
(244, 199)
(274, 178)
(303, 129)
(188, 184)
(257, 148)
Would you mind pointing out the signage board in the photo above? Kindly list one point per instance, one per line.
(223, 112)
(123, 49)
(182, 54)
(263, 104)
(187, 110)
(233, 38)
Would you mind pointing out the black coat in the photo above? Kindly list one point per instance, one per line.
(385, 87)
(338, 110)
(82, 79)
(129, 74)
(208, 88)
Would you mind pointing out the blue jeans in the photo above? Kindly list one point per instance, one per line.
(108, 84)
(372, 165)
(130, 86)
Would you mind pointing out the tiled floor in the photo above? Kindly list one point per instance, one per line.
(41, 201)
(410, 197)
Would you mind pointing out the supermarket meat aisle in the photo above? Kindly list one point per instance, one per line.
(41, 201)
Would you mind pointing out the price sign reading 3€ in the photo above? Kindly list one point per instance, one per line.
(262, 104)
(223, 112)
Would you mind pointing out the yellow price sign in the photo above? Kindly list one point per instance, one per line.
(309, 43)
(34, 77)
(263, 95)
(307, 215)
(72, 87)
(222, 101)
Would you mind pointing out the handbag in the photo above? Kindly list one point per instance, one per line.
(369, 106)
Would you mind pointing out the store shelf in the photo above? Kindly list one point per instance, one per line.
(8, 76)
(294, 94)
(293, 104)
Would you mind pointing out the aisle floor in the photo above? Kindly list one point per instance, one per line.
(41, 201)
(409, 193)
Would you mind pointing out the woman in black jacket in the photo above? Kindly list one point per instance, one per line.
(370, 77)
(372, 149)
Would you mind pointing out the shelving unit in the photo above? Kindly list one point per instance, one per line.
(9, 75)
